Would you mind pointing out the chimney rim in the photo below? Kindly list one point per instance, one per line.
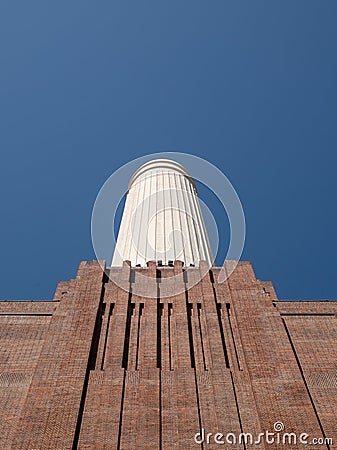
(161, 164)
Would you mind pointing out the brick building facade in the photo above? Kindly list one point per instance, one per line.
(102, 368)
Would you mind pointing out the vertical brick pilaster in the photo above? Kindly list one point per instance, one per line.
(53, 402)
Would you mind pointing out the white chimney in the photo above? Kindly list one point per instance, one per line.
(162, 220)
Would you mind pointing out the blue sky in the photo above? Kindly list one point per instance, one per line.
(251, 86)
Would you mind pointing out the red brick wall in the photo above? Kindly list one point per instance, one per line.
(102, 368)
